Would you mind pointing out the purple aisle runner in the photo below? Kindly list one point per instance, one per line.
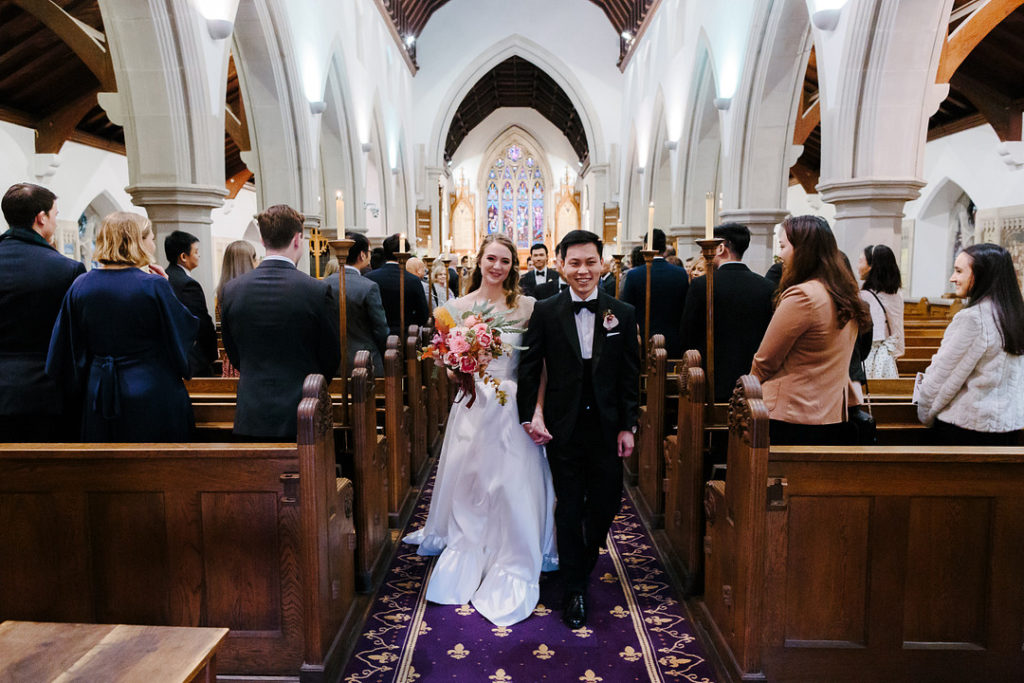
(636, 629)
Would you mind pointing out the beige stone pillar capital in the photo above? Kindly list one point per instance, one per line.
(761, 223)
(869, 210)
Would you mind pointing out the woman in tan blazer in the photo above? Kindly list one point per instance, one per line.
(804, 359)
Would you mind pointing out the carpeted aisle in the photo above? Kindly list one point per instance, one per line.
(636, 629)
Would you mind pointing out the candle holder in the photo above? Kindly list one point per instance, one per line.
(617, 268)
(318, 244)
(429, 260)
(708, 247)
(403, 258)
(341, 248)
(648, 256)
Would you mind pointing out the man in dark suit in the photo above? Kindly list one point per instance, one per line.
(365, 325)
(182, 249)
(668, 287)
(743, 309)
(279, 325)
(540, 273)
(33, 280)
(388, 277)
(587, 341)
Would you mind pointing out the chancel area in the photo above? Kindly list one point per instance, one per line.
(548, 340)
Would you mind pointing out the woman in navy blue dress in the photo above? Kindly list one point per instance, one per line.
(123, 338)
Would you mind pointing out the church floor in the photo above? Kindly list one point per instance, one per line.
(637, 629)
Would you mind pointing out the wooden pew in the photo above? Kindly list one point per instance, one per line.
(256, 538)
(863, 563)
(370, 458)
(397, 421)
(651, 434)
(416, 395)
(684, 474)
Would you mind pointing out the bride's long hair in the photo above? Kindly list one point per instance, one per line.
(511, 283)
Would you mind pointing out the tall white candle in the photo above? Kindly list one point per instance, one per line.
(650, 226)
(709, 216)
(339, 208)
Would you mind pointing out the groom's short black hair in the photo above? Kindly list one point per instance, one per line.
(575, 237)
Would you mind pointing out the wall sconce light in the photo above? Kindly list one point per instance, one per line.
(317, 106)
(826, 19)
(722, 103)
(372, 208)
(639, 170)
(394, 171)
(671, 145)
(219, 29)
(410, 40)
(627, 36)
(367, 147)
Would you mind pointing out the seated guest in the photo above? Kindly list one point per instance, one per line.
(539, 273)
(743, 309)
(803, 361)
(124, 337)
(881, 292)
(440, 294)
(33, 280)
(182, 251)
(239, 258)
(668, 285)
(388, 278)
(365, 324)
(279, 325)
(971, 392)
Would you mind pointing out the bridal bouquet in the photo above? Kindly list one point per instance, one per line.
(468, 345)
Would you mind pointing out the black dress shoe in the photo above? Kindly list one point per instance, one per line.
(574, 614)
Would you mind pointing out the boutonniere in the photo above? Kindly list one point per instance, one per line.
(610, 321)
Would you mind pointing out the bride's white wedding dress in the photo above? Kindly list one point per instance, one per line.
(492, 512)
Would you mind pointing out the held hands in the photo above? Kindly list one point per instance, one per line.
(536, 429)
(625, 444)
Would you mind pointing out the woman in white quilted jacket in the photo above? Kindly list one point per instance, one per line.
(973, 391)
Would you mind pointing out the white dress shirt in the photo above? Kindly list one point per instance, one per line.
(585, 325)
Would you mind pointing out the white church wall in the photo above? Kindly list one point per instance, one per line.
(968, 162)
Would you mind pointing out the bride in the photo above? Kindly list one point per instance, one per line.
(491, 514)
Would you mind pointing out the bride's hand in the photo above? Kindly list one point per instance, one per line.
(538, 431)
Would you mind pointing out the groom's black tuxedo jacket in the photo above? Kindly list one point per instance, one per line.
(551, 338)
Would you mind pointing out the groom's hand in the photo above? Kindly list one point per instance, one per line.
(625, 444)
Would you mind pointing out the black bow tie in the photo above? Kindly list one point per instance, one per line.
(578, 306)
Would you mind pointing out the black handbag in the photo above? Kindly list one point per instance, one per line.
(862, 427)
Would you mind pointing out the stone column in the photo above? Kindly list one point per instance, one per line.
(869, 210)
(762, 224)
(183, 207)
(305, 261)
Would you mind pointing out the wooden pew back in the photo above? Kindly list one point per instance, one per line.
(253, 537)
(370, 460)
(650, 442)
(865, 563)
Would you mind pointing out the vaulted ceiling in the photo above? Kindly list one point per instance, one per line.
(517, 82)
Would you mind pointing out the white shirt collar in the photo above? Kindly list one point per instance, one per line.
(574, 297)
(353, 269)
(278, 257)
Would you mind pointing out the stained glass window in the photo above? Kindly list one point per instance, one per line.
(517, 210)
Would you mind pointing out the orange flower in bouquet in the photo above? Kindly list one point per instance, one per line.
(467, 345)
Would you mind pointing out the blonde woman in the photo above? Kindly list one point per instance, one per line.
(149, 246)
(122, 337)
(239, 258)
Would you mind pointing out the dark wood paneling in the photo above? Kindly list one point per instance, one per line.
(242, 580)
(827, 562)
(129, 557)
(947, 579)
(29, 559)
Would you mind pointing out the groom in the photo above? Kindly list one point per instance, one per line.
(587, 341)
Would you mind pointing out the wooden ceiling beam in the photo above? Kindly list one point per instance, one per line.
(237, 127)
(806, 123)
(972, 31)
(53, 131)
(85, 41)
(1002, 113)
(807, 177)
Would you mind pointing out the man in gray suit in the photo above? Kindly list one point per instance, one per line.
(365, 322)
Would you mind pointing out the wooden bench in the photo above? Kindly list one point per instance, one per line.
(863, 563)
(255, 537)
(650, 438)
(41, 652)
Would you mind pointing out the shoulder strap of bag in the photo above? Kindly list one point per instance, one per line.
(888, 330)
